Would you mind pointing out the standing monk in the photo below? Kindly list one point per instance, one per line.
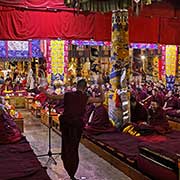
(71, 123)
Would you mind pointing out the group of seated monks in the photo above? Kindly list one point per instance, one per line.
(146, 120)
(150, 104)
(8, 86)
(168, 100)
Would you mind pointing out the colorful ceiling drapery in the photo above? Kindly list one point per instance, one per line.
(106, 5)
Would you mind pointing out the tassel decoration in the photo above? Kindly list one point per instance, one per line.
(137, 6)
(132, 2)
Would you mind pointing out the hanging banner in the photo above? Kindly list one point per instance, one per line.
(35, 49)
(171, 56)
(155, 68)
(3, 52)
(178, 66)
(143, 46)
(171, 59)
(66, 43)
(18, 49)
(163, 63)
(44, 47)
(57, 57)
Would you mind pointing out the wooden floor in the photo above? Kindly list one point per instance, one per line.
(91, 167)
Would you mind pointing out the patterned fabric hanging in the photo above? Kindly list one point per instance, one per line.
(57, 56)
(106, 5)
(178, 67)
(155, 67)
(18, 49)
(35, 49)
(3, 52)
(66, 43)
(171, 57)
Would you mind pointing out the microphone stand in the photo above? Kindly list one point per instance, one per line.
(49, 153)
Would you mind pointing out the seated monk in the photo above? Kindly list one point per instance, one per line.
(140, 94)
(6, 87)
(139, 117)
(9, 132)
(171, 105)
(157, 117)
(97, 120)
(155, 95)
(18, 87)
(138, 111)
(157, 122)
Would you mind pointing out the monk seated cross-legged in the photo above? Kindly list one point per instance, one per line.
(171, 105)
(9, 132)
(156, 123)
(97, 119)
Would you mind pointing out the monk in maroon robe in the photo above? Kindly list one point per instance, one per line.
(155, 96)
(171, 105)
(157, 117)
(9, 132)
(18, 87)
(140, 94)
(138, 111)
(71, 123)
(98, 120)
(7, 86)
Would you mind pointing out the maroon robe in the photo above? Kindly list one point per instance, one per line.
(18, 87)
(172, 103)
(141, 95)
(9, 132)
(6, 87)
(88, 111)
(71, 127)
(138, 113)
(157, 97)
(158, 120)
(100, 121)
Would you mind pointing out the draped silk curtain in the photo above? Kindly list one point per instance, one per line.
(41, 4)
(157, 23)
(26, 24)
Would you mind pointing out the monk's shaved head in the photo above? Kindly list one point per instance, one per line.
(82, 84)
